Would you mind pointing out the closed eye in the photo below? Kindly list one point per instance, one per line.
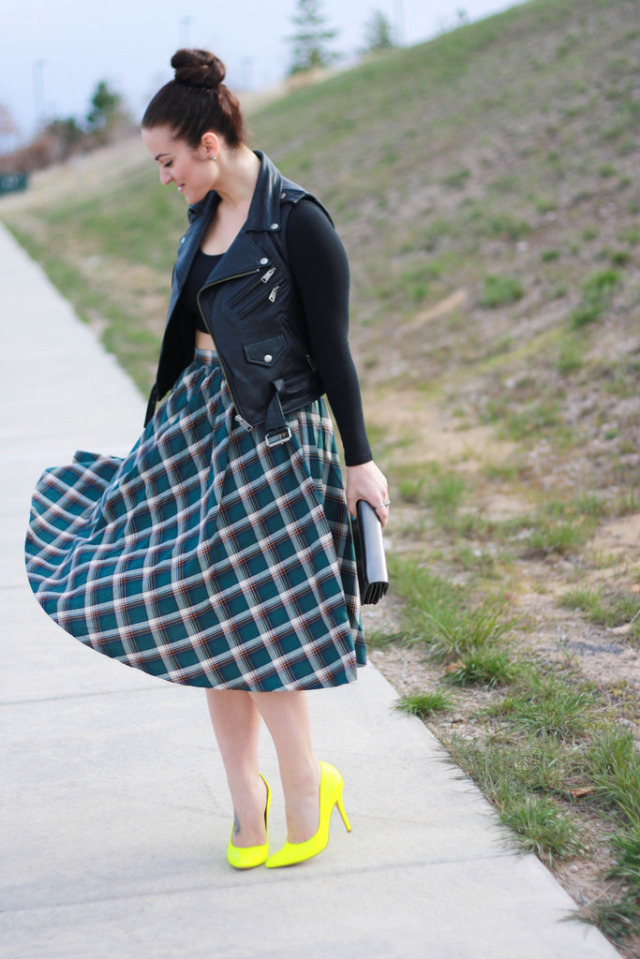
(167, 164)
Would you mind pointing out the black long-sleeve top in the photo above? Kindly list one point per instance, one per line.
(320, 271)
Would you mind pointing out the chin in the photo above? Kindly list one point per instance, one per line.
(194, 196)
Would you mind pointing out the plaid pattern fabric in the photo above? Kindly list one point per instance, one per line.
(204, 557)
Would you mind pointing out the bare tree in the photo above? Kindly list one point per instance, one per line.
(9, 130)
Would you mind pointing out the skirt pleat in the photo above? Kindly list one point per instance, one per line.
(205, 557)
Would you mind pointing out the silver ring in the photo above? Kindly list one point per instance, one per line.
(385, 504)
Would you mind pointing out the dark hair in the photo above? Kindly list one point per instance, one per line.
(196, 100)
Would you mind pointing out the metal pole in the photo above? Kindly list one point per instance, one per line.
(247, 64)
(38, 92)
(185, 31)
(398, 7)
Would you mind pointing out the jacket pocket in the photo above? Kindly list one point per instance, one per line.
(261, 291)
(265, 352)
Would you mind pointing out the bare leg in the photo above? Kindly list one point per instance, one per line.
(286, 715)
(236, 723)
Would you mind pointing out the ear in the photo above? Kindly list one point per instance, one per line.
(210, 143)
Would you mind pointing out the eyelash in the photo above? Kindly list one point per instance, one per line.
(167, 164)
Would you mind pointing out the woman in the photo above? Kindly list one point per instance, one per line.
(219, 552)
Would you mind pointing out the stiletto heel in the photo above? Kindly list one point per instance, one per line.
(331, 785)
(251, 856)
(343, 813)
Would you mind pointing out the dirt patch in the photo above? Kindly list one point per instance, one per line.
(421, 430)
(620, 538)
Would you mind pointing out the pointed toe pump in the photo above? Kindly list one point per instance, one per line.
(331, 785)
(251, 856)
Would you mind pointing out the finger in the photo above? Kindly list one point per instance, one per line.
(382, 512)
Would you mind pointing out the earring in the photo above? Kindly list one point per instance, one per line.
(213, 159)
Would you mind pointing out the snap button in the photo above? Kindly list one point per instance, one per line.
(275, 226)
(267, 357)
(283, 195)
(264, 261)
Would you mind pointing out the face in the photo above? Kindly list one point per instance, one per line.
(190, 170)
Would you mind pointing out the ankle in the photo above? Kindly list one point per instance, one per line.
(249, 808)
(303, 804)
(303, 780)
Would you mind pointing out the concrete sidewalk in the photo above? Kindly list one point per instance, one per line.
(116, 815)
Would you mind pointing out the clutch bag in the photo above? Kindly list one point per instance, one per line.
(371, 561)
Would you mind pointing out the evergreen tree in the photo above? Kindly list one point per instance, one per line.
(378, 33)
(105, 107)
(311, 38)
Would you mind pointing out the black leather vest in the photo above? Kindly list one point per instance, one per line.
(252, 310)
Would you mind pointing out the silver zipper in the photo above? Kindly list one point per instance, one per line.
(273, 294)
(268, 275)
(236, 276)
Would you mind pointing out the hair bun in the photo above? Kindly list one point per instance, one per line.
(198, 68)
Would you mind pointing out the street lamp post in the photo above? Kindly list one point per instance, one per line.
(398, 7)
(38, 92)
(185, 31)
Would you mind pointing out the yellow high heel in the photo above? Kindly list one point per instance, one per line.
(331, 784)
(251, 856)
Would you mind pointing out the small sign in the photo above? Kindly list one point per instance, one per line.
(12, 182)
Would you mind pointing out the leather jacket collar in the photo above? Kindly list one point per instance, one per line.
(265, 204)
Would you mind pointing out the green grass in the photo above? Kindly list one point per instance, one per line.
(538, 822)
(544, 828)
(570, 356)
(453, 632)
(557, 528)
(500, 291)
(627, 845)
(457, 180)
(616, 917)
(440, 616)
(547, 705)
(442, 491)
(546, 739)
(446, 493)
(614, 763)
(482, 666)
(557, 537)
(597, 292)
(607, 609)
(425, 704)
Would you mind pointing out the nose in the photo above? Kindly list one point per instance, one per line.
(165, 176)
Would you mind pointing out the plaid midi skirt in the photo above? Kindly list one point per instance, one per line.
(205, 557)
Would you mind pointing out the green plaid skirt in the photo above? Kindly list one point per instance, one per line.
(205, 557)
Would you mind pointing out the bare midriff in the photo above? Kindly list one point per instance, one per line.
(204, 341)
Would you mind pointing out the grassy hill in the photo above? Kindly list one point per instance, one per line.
(487, 187)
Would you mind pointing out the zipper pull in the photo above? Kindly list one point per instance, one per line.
(268, 275)
(273, 294)
(241, 420)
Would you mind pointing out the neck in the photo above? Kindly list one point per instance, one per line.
(238, 174)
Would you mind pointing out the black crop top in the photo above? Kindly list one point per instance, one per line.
(320, 270)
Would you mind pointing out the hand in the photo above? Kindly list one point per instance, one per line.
(367, 482)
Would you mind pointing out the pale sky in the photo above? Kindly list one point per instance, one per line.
(53, 52)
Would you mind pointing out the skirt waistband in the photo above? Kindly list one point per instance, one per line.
(208, 357)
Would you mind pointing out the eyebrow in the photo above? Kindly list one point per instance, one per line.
(161, 155)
